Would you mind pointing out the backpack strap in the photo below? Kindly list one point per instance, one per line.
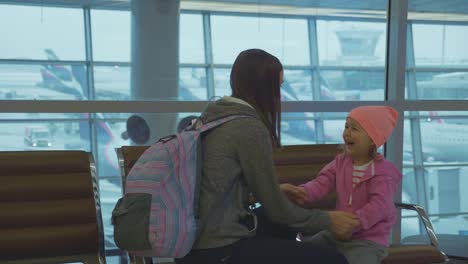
(218, 122)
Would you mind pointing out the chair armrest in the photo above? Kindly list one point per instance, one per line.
(424, 218)
(121, 161)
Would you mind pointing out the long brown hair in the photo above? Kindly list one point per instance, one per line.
(255, 78)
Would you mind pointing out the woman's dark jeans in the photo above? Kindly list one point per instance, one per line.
(273, 244)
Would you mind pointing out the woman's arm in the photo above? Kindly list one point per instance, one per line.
(255, 155)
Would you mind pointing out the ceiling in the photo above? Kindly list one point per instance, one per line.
(431, 6)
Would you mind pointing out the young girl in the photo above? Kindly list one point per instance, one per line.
(365, 183)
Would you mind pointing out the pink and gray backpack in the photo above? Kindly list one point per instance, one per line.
(157, 216)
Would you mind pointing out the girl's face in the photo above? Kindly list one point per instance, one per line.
(358, 144)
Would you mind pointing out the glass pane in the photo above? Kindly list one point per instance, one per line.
(42, 82)
(409, 193)
(354, 85)
(333, 130)
(191, 47)
(444, 141)
(408, 155)
(298, 129)
(443, 137)
(29, 116)
(452, 225)
(351, 43)
(221, 82)
(69, 135)
(440, 45)
(41, 135)
(442, 85)
(111, 35)
(297, 85)
(111, 134)
(112, 83)
(412, 229)
(192, 84)
(438, 68)
(450, 117)
(439, 186)
(27, 31)
(109, 137)
(286, 38)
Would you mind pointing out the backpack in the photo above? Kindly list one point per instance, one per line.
(158, 214)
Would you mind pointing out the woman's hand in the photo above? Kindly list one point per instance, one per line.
(296, 194)
(342, 224)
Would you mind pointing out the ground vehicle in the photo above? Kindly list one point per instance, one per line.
(37, 137)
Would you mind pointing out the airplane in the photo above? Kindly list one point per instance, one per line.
(444, 86)
(72, 81)
(59, 78)
(441, 141)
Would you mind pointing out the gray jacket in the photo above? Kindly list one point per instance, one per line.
(237, 160)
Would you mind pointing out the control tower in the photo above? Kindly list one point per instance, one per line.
(358, 45)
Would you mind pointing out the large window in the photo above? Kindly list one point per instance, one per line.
(193, 58)
(284, 37)
(436, 171)
(331, 51)
(435, 161)
(437, 64)
(110, 35)
(29, 32)
(192, 49)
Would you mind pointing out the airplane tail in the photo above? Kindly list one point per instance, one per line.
(434, 116)
(105, 145)
(60, 78)
(71, 80)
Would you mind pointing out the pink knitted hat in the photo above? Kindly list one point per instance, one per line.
(377, 121)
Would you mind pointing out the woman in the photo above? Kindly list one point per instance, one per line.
(237, 161)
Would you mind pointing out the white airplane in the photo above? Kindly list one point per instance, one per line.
(444, 86)
(440, 140)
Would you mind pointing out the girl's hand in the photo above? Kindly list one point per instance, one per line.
(342, 224)
(296, 194)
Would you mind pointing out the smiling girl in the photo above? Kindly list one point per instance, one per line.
(364, 182)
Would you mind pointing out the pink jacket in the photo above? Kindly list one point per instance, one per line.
(372, 200)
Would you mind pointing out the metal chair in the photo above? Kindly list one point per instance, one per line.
(49, 208)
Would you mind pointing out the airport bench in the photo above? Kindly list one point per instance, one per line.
(49, 208)
(299, 164)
